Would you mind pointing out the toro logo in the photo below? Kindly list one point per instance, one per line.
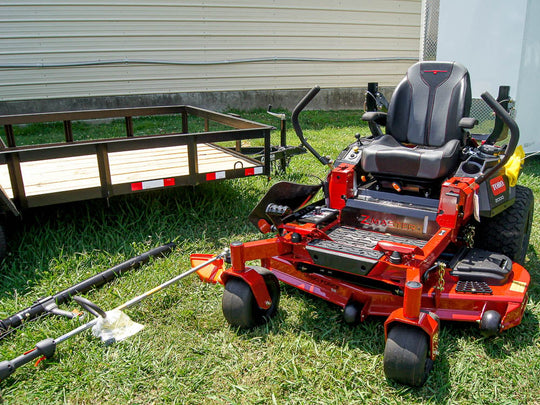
(435, 71)
(497, 185)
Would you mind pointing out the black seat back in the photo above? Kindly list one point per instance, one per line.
(427, 105)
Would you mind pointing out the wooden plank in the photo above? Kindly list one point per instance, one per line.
(4, 180)
(169, 162)
(81, 172)
(63, 174)
(117, 159)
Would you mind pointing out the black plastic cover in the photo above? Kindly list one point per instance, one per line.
(481, 265)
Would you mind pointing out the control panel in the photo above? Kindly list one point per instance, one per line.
(351, 155)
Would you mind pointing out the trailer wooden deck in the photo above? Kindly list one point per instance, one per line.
(82, 172)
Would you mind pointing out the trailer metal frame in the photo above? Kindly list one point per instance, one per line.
(14, 156)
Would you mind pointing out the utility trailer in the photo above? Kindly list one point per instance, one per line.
(74, 170)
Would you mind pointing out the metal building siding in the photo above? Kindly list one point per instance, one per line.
(58, 32)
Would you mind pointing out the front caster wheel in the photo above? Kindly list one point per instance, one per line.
(406, 358)
(239, 305)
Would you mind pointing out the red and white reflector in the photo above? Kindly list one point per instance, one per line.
(215, 176)
(251, 171)
(146, 185)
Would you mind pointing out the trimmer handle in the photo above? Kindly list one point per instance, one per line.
(89, 306)
(45, 348)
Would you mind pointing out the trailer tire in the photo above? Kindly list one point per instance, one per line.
(509, 232)
(406, 358)
(239, 305)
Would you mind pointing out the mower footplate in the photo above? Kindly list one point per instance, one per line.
(343, 257)
(369, 239)
(473, 287)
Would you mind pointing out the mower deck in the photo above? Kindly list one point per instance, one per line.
(332, 277)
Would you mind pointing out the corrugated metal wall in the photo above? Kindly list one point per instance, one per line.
(48, 33)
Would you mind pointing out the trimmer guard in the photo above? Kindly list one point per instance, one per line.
(210, 273)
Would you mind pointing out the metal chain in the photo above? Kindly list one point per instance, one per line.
(468, 235)
(440, 273)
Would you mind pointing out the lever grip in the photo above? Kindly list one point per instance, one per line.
(46, 348)
(306, 100)
(514, 135)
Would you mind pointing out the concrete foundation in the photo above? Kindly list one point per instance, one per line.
(327, 99)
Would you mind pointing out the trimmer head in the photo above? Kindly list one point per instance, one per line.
(115, 327)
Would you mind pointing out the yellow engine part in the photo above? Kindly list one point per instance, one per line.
(512, 168)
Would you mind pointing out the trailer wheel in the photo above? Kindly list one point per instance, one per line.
(509, 232)
(406, 358)
(239, 305)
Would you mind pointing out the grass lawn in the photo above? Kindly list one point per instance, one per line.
(187, 353)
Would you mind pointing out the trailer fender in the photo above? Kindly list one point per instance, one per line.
(6, 204)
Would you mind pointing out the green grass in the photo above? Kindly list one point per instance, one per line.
(187, 353)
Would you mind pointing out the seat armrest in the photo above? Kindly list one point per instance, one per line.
(467, 122)
(377, 117)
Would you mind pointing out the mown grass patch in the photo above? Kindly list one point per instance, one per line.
(187, 353)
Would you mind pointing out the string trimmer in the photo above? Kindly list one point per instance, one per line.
(111, 326)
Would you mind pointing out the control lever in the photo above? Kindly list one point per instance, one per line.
(277, 212)
(492, 150)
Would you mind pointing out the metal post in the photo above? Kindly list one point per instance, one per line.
(283, 128)
(267, 152)
(185, 128)
(9, 135)
(68, 131)
(15, 175)
(193, 163)
(104, 170)
(129, 127)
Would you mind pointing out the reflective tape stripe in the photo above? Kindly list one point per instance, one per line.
(250, 171)
(145, 185)
(215, 176)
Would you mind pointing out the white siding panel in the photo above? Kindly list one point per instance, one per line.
(34, 33)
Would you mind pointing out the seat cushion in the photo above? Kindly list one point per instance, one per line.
(387, 156)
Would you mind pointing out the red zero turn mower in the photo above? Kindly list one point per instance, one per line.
(418, 225)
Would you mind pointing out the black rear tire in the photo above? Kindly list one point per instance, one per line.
(509, 232)
(239, 306)
(406, 358)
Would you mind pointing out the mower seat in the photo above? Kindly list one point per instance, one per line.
(423, 137)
